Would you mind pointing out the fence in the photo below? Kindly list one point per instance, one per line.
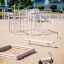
(45, 15)
(53, 16)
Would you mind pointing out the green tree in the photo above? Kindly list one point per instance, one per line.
(53, 7)
(12, 2)
(40, 7)
(29, 6)
(20, 6)
(25, 3)
(1, 2)
(62, 8)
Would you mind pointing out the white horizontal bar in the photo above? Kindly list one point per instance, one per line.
(6, 54)
(44, 41)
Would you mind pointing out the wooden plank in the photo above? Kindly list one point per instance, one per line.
(20, 55)
(44, 41)
(26, 53)
(8, 55)
(5, 48)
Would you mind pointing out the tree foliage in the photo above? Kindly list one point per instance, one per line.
(40, 7)
(1, 2)
(29, 6)
(53, 7)
(20, 7)
(62, 8)
(25, 3)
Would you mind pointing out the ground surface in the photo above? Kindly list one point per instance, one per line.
(18, 39)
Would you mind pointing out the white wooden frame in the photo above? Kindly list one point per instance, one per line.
(18, 56)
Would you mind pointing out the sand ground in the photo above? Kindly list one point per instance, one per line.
(7, 37)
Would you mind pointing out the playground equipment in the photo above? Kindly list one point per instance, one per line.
(15, 51)
(46, 60)
(30, 23)
(34, 18)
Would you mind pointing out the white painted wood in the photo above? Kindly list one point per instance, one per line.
(45, 59)
(29, 50)
(18, 46)
(44, 41)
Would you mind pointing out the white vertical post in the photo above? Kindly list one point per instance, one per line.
(9, 22)
(36, 25)
(4, 13)
(40, 24)
(14, 23)
(14, 19)
(20, 20)
(26, 11)
(31, 24)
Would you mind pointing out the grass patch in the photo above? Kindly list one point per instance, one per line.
(53, 13)
(1, 14)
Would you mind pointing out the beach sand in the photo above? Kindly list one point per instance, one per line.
(7, 37)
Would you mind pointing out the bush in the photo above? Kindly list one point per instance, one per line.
(53, 7)
(62, 8)
(40, 7)
(20, 6)
(29, 6)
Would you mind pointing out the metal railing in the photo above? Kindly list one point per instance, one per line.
(53, 16)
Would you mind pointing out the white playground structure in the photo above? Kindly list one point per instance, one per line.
(29, 23)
